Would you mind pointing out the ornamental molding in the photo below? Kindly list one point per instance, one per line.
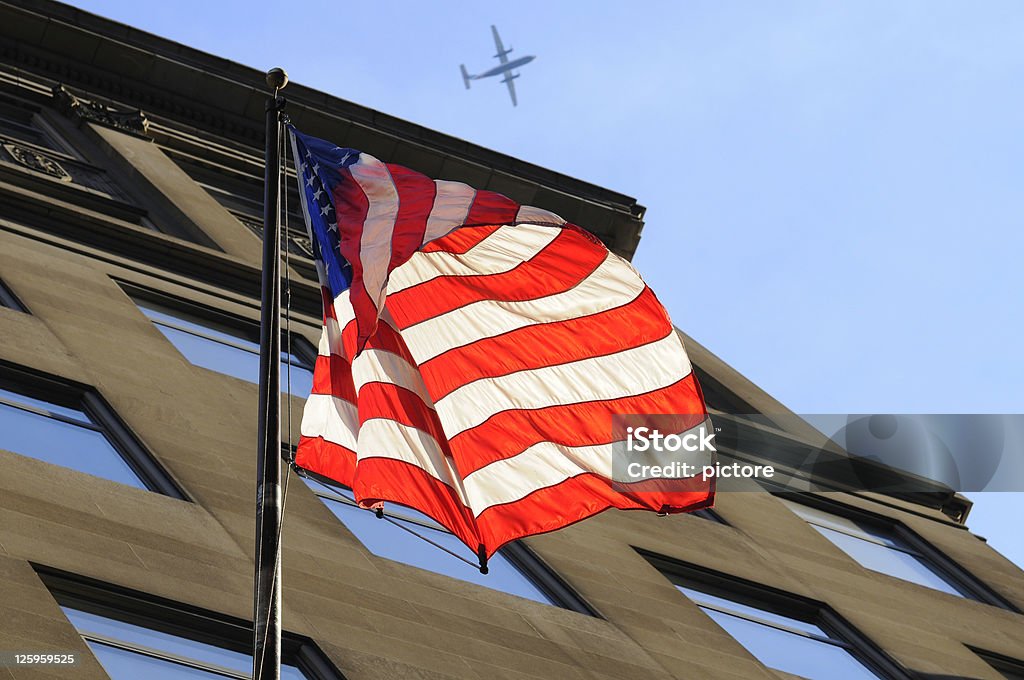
(33, 160)
(132, 122)
(296, 244)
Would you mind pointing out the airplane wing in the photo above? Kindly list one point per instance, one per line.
(509, 78)
(502, 52)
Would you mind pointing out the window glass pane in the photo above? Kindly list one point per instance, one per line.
(87, 623)
(123, 664)
(234, 361)
(214, 355)
(791, 652)
(702, 598)
(386, 540)
(888, 561)
(1010, 674)
(8, 299)
(62, 443)
(183, 321)
(301, 378)
(292, 673)
(44, 405)
(827, 519)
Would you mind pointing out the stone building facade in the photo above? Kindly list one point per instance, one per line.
(130, 188)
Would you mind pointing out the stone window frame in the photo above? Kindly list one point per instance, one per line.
(970, 586)
(1005, 665)
(790, 605)
(527, 562)
(103, 418)
(168, 616)
(217, 320)
(10, 300)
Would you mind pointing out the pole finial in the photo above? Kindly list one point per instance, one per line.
(277, 79)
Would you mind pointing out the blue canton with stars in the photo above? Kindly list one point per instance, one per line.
(318, 163)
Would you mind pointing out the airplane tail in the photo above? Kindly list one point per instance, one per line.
(465, 75)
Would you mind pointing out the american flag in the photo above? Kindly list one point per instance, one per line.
(474, 353)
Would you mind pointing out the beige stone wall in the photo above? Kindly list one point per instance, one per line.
(374, 618)
(379, 619)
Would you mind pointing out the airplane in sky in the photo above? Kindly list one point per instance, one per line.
(506, 67)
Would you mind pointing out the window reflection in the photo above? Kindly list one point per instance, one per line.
(874, 548)
(60, 435)
(128, 651)
(387, 540)
(781, 642)
(225, 352)
(9, 299)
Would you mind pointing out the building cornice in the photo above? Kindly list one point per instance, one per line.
(135, 69)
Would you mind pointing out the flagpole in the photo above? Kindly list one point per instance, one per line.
(267, 585)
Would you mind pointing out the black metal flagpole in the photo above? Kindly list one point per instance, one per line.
(267, 587)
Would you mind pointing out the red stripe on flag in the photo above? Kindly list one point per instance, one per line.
(461, 240)
(351, 207)
(328, 304)
(327, 459)
(491, 208)
(393, 402)
(333, 375)
(509, 433)
(416, 194)
(636, 323)
(385, 338)
(575, 499)
(395, 481)
(560, 266)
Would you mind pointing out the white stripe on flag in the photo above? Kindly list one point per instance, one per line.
(343, 310)
(452, 202)
(345, 315)
(383, 438)
(500, 252)
(374, 179)
(377, 365)
(527, 213)
(330, 339)
(546, 464)
(611, 285)
(332, 418)
(616, 376)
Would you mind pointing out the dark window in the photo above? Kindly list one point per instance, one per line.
(784, 632)
(781, 642)
(31, 145)
(513, 569)
(9, 299)
(73, 427)
(20, 121)
(877, 547)
(709, 514)
(1011, 669)
(719, 397)
(228, 346)
(134, 638)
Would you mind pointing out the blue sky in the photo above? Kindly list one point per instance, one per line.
(833, 188)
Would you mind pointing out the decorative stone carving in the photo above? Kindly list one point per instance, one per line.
(294, 243)
(302, 246)
(133, 122)
(33, 160)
